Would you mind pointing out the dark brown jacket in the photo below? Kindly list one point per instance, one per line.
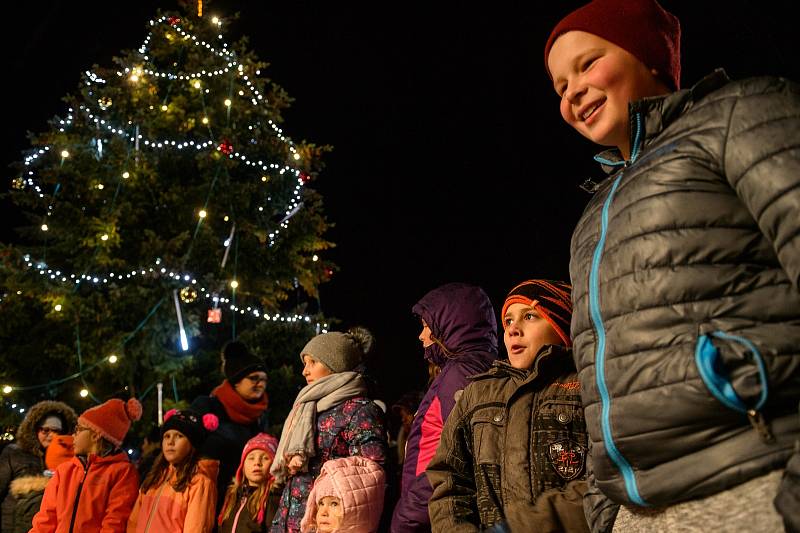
(513, 450)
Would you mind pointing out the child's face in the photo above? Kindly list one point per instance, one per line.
(425, 335)
(314, 370)
(256, 467)
(175, 446)
(329, 514)
(596, 80)
(84, 441)
(525, 332)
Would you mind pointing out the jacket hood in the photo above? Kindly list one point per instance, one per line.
(26, 434)
(461, 317)
(359, 483)
(24, 485)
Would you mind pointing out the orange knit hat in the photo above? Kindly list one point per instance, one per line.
(112, 419)
(59, 450)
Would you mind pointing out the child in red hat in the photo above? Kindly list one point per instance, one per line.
(686, 278)
(252, 496)
(95, 490)
(513, 451)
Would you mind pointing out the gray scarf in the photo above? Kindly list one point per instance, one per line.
(299, 430)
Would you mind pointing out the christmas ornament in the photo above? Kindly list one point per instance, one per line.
(305, 178)
(104, 102)
(174, 21)
(188, 295)
(225, 147)
(18, 183)
(214, 316)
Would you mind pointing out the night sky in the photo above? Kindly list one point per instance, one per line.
(450, 159)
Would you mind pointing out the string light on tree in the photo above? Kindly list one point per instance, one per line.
(84, 393)
(7, 389)
(153, 149)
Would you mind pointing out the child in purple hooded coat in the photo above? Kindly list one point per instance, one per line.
(459, 334)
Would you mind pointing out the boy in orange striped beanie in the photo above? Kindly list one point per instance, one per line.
(513, 451)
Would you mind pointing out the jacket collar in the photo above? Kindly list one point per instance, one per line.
(658, 112)
(549, 355)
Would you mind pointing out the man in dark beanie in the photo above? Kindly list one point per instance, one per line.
(513, 451)
(240, 403)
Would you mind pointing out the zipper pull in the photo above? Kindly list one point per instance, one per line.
(759, 424)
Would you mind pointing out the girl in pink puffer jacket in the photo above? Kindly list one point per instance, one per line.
(347, 497)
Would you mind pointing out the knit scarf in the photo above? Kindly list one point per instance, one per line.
(299, 431)
(237, 408)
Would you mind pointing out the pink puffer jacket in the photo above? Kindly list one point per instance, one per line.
(359, 483)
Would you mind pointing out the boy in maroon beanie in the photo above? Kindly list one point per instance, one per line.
(685, 268)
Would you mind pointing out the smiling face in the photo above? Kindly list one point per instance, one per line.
(525, 334)
(314, 369)
(329, 514)
(596, 80)
(175, 446)
(256, 467)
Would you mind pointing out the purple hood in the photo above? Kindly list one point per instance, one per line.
(461, 317)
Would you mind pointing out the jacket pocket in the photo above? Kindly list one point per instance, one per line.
(560, 442)
(733, 371)
(488, 433)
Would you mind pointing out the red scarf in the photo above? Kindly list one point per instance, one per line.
(238, 409)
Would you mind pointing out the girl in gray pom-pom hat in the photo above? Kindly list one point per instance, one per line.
(332, 417)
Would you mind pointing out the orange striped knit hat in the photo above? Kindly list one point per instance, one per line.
(550, 298)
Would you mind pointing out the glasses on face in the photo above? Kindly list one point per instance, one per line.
(47, 431)
(78, 429)
(255, 379)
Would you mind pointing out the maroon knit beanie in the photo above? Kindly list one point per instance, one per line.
(641, 27)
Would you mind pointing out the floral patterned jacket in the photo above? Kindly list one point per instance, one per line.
(354, 427)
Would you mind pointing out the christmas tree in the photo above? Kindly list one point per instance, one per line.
(163, 214)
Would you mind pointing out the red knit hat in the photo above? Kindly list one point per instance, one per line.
(262, 441)
(552, 299)
(641, 27)
(112, 419)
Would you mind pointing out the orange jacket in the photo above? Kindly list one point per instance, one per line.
(162, 510)
(103, 489)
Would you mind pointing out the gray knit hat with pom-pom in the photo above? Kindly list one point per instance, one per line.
(341, 352)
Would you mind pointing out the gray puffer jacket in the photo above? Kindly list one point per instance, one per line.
(685, 270)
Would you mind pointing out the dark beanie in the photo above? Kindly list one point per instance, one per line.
(552, 299)
(641, 27)
(191, 424)
(239, 361)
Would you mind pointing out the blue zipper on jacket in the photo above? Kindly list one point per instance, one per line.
(618, 459)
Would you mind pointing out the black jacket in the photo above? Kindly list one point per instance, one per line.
(227, 441)
(685, 269)
(25, 459)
